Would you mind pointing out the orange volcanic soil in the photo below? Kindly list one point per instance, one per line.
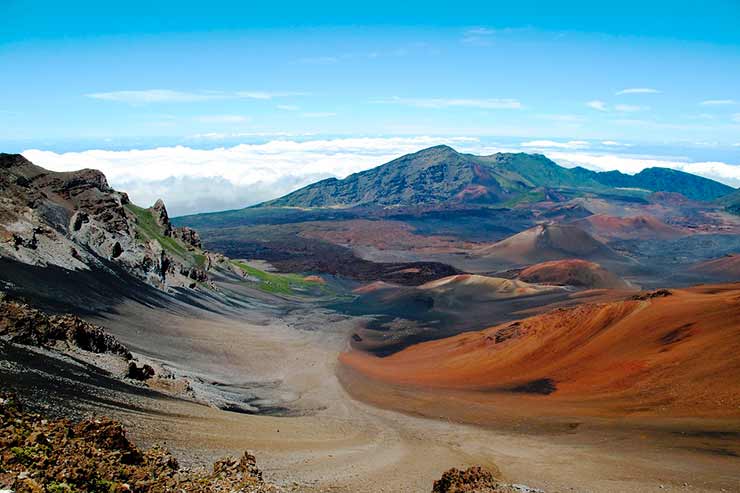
(572, 272)
(643, 227)
(727, 267)
(675, 355)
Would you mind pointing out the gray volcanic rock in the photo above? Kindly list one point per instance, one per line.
(25, 325)
(159, 211)
(75, 220)
(188, 236)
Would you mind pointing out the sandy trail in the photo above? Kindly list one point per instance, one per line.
(343, 445)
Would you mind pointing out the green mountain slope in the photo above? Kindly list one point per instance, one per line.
(662, 180)
(436, 175)
(441, 175)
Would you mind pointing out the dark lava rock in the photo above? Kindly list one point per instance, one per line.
(140, 373)
(26, 325)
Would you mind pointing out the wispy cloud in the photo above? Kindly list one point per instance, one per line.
(614, 143)
(736, 117)
(478, 36)
(172, 96)
(629, 108)
(623, 108)
(551, 144)
(268, 94)
(288, 107)
(155, 96)
(718, 102)
(638, 90)
(441, 103)
(597, 105)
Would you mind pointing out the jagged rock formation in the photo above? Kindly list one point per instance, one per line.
(25, 325)
(76, 221)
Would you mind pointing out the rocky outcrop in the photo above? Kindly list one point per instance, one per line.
(476, 480)
(76, 221)
(159, 212)
(188, 236)
(25, 325)
(39, 455)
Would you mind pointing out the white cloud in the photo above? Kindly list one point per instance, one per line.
(267, 94)
(440, 103)
(288, 107)
(597, 105)
(718, 102)
(551, 144)
(172, 96)
(736, 117)
(154, 96)
(628, 108)
(237, 135)
(614, 143)
(638, 90)
(478, 36)
(197, 180)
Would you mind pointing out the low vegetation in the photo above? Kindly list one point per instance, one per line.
(148, 229)
(275, 283)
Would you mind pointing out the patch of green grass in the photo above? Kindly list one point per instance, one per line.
(148, 229)
(56, 487)
(526, 198)
(279, 283)
(200, 260)
(24, 455)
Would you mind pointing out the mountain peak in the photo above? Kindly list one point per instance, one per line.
(438, 149)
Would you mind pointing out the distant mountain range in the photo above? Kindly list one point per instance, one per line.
(440, 175)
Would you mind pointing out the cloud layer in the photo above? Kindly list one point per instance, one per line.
(199, 180)
(171, 96)
(196, 180)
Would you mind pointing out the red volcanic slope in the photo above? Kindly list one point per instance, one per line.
(572, 272)
(727, 267)
(676, 355)
(637, 227)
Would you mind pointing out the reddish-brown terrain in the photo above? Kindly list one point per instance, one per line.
(572, 272)
(667, 353)
(644, 227)
(727, 267)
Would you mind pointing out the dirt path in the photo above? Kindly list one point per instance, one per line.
(343, 445)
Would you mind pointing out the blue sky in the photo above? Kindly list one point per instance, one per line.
(657, 80)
